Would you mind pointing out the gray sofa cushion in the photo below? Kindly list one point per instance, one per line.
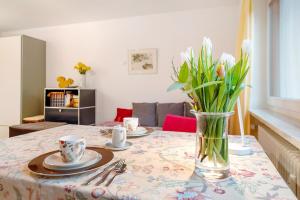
(187, 110)
(168, 108)
(146, 112)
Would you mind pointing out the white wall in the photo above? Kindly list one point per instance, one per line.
(104, 46)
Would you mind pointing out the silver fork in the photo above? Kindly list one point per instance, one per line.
(116, 168)
(117, 172)
(103, 171)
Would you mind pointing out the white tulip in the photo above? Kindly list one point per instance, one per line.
(187, 55)
(207, 45)
(227, 59)
(246, 47)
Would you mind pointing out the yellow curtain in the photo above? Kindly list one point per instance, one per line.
(244, 32)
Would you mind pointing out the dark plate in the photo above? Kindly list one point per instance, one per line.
(36, 167)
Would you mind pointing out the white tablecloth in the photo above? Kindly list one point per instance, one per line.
(159, 166)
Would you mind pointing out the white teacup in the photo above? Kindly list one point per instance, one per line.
(131, 123)
(72, 148)
(118, 136)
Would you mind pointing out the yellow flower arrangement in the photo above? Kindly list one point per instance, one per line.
(82, 68)
(63, 82)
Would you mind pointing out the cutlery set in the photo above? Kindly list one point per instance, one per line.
(116, 168)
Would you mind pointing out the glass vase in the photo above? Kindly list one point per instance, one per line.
(82, 82)
(211, 156)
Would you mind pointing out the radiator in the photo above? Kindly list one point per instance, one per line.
(284, 156)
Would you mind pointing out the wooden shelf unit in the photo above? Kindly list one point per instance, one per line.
(84, 114)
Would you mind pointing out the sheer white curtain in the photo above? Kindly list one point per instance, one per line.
(289, 48)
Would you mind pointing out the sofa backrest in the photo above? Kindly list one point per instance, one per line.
(153, 114)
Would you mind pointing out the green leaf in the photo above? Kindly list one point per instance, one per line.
(239, 83)
(175, 86)
(213, 106)
(234, 97)
(224, 101)
(208, 84)
(221, 95)
(183, 73)
(236, 71)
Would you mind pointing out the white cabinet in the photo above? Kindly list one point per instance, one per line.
(22, 78)
(10, 80)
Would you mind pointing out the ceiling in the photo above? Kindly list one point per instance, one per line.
(24, 14)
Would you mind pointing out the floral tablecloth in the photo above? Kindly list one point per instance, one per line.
(159, 166)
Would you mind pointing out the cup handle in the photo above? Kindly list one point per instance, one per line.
(82, 144)
(124, 136)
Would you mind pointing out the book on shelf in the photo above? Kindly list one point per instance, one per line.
(62, 99)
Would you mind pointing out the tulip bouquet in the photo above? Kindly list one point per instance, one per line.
(214, 86)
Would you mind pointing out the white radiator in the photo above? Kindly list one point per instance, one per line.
(284, 156)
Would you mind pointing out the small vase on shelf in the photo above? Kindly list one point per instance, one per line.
(82, 69)
(82, 82)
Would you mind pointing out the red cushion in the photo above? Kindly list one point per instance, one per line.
(179, 124)
(121, 113)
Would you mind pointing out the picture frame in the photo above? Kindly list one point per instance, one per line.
(142, 61)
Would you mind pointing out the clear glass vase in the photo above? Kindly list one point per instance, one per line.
(211, 156)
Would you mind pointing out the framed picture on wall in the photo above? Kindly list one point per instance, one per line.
(143, 61)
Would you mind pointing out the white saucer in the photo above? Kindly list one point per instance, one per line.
(55, 162)
(140, 131)
(239, 149)
(111, 147)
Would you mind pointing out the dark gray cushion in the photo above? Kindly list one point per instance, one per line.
(168, 108)
(146, 112)
(187, 110)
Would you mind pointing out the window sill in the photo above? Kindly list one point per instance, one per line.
(287, 128)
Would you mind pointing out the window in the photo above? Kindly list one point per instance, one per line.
(284, 57)
(284, 48)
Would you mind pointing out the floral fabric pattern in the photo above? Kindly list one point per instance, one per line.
(159, 166)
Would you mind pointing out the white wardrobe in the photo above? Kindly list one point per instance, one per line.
(22, 79)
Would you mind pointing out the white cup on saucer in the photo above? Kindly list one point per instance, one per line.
(72, 148)
(131, 123)
(119, 136)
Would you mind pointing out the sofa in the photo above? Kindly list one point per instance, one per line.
(151, 114)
